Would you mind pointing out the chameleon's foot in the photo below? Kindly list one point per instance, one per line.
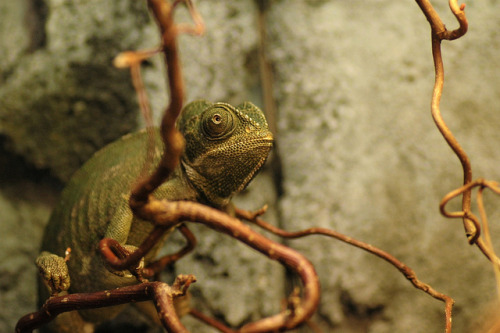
(136, 271)
(54, 272)
(123, 251)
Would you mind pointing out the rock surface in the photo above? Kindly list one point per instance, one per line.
(361, 155)
(359, 150)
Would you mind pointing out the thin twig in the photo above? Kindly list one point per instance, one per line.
(486, 246)
(437, 26)
(471, 222)
(133, 61)
(210, 321)
(405, 270)
(172, 138)
(439, 33)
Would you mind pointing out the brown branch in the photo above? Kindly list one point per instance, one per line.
(162, 293)
(172, 138)
(198, 28)
(164, 301)
(471, 222)
(405, 270)
(113, 252)
(166, 214)
(439, 33)
(108, 246)
(437, 26)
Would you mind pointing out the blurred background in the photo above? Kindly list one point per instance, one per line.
(346, 86)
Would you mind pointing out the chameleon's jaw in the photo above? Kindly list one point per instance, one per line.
(264, 143)
(224, 171)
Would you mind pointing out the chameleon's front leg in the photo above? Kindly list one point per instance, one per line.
(55, 275)
(116, 243)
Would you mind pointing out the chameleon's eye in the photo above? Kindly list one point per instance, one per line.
(217, 119)
(217, 123)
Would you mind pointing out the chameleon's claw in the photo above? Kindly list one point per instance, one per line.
(136, 271)
(54, 272)
(128, 273)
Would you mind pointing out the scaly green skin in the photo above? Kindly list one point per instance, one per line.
(225, 147)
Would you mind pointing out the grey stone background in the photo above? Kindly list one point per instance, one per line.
(359, 151)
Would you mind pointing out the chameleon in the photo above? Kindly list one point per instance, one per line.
(225, 148)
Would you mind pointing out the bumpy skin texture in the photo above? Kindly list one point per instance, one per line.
(225, 147)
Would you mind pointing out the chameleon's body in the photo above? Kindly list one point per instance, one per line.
(225, 147)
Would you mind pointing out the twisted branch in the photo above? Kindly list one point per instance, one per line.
(160, 292)
(172, 138)
(439, 33)
(471, 223)
(405, 270)
(167, 214)
(488, 249)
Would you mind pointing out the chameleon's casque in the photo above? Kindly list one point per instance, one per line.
(225, 147)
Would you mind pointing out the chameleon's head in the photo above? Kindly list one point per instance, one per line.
(225, 147)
